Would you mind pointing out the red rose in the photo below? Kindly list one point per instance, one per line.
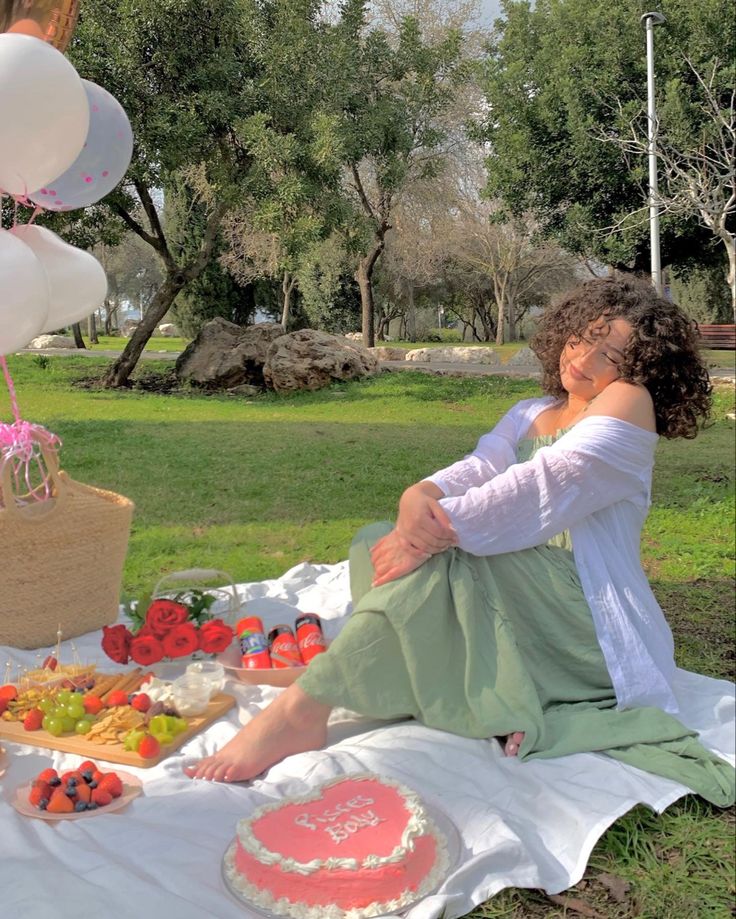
(214, 636)
(164, 615)
(146, 649)
(116, 643)
(181, 640)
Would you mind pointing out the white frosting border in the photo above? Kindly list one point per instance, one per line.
(282, 906)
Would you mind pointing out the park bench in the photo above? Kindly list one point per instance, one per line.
(718, 336)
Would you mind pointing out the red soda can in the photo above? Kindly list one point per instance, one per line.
(309, 636)
(253, 643)
(283, 647)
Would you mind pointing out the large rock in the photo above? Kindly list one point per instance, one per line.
(384, 353)
(525, 359)
(168, 330)
(129, 326)
(310, 359)
(225, 355)
(459, 355)
(42, 342)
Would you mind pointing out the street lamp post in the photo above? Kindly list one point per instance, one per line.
(650, 20)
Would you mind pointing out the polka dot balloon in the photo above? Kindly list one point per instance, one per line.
(102, 162)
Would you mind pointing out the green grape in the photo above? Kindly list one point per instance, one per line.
(46, 705)
(82, 726)
(75, 709)
(63, 697)
(47, 719)
(56, 726)
(68, 722)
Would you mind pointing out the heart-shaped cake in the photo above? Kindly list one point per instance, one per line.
(360, 844)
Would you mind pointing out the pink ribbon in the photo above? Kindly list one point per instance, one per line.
(21, 446)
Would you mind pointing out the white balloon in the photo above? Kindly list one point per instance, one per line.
(24, 303)
(77, 283)
(44, 113)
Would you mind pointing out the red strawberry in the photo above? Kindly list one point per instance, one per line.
(32, 721)
(101, 797)
(73, 773)
(60, 802)
(111, 783)
(92, 704)
(87, 766)
(47, 775)
(84, 792)
(50, 663)
(97, 776)
(149, 747)
(3, 705)
(117, 697)
(39, 791)
(141, 702)
(8, 692)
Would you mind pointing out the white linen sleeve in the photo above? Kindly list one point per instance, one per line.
(599, 462)
(494, 453)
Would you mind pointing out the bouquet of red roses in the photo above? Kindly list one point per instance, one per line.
(169, 628)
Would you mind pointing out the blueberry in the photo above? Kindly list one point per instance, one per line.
(91, 806)
(72, 781)
(79, 689)
(92, 784)
(43, 804)
(55, 781)
(80, 806)
(87, 775)
(71, 792)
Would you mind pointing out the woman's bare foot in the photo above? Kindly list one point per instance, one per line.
(293, 723)
(513, 742)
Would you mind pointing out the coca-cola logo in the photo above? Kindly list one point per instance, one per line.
(312, 640)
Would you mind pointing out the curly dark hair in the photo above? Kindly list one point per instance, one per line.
(662, 353)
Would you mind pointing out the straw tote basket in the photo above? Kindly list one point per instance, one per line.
(61, 560)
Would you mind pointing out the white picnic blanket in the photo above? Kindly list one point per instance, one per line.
(529, 824)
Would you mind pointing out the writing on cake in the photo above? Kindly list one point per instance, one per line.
(338, 831)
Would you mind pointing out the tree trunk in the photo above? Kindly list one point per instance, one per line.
(363, 277)
(108, 318)
(730, 244)
(77, 333)
(122, 368)
(501, 322)
(411, 315)
(92, 329)
(287, 286)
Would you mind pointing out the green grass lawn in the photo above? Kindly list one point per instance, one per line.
(256, 486)
(118, 342)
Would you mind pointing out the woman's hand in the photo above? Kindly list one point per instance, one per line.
(393, 557)
(422, 522)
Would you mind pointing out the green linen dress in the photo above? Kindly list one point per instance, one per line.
(484, 646)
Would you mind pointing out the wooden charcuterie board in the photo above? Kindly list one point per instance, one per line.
(114, 752)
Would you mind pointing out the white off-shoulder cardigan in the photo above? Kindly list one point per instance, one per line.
(595, 481)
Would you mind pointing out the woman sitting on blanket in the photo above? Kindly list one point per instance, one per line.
(509, 599)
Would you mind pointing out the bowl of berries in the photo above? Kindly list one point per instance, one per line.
(86, 791)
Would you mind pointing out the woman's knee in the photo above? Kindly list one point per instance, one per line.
(369, 535)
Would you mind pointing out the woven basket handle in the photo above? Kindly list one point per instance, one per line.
(41, 508)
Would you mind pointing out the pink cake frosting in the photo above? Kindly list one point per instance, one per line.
(357, 846)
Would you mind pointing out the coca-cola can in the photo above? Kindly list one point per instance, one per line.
(253, 643)
(309, 636)
(283, 647)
